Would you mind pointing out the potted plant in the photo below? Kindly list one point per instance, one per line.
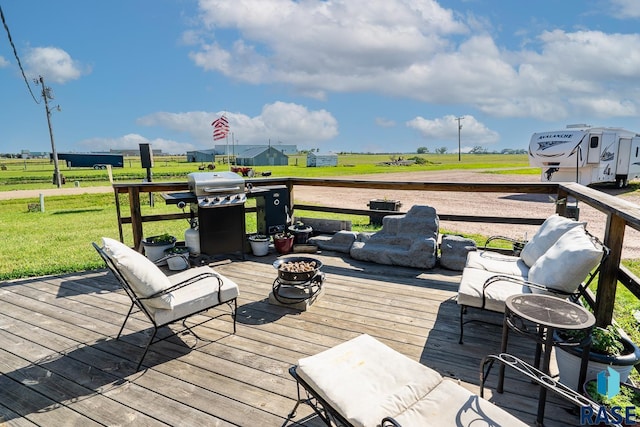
(283, 242)
(259, 244)
(301, 232)
(177, 257)
(608, 348)
(155, 246)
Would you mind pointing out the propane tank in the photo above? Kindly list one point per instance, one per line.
(192, 239)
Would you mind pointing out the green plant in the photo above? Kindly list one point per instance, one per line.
(628, 396)
(258, 237)
(178, 250)
(164, 238)
(605, 341)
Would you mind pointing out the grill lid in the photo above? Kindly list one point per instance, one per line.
(214, 189)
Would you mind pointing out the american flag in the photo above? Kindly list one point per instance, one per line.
(220, 128)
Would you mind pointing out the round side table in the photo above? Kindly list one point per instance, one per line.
(538, 316)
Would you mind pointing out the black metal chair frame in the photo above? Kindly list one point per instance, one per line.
(136, 303)
(582, 291)
(543, 380)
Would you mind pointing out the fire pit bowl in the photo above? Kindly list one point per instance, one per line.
(297, 269)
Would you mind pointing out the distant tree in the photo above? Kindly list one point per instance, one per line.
(478, 150)
(441, 150)
(422, 150)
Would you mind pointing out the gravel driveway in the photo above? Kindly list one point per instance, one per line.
(488, 204)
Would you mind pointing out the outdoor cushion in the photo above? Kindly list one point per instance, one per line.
(548, 233)
(472, 283)
(365, 381)
(195, 297)
(144, 277)
(497, 263)
(566, 264)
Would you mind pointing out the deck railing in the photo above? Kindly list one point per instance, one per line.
(620, 214)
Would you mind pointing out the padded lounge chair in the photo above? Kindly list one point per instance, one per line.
(166, 299)
(362, 382)
(557, 260)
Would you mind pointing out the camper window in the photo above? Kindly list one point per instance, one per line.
(594, 142)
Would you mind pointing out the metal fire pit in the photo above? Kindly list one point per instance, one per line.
(296, 277)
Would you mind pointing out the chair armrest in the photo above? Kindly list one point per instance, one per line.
(187, 282)
(389, 422)
(546, 381)
(505, 238)
(504, 278)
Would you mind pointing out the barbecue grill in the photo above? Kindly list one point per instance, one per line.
(218, 198)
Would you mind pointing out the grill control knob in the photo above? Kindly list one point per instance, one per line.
(228, 198)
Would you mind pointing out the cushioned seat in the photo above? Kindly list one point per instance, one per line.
(556, 260)
(166, 299)
(362, 381)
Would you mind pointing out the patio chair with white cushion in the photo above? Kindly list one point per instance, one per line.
(557, 260)
(362, 382)
(166, 299)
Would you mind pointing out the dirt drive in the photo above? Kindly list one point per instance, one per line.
(488, 204)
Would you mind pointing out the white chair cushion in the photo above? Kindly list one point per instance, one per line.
(497, 263)
(567, 263)
(548, 233)
(472, 282)
(195, 297)
(365, 381)
(142, 275)
(449, 404)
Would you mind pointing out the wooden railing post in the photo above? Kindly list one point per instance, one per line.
(561, 208)
(136, 217)
(608, 278)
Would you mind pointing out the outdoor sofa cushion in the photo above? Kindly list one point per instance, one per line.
(565, 265)
(365, 381)
(144, 277)
(548, 233)
(197, 296)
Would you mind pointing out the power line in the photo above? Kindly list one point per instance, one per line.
(15, 53)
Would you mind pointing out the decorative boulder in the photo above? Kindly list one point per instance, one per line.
(454, 250)
(408, 240)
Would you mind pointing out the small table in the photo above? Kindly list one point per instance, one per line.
(548, 314)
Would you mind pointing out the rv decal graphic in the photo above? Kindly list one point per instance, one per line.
(549, 173)
(551, 155)
(543, 145)
(606, 156)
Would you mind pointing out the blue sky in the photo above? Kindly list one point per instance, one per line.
(336, 75)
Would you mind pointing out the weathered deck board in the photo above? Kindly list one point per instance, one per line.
(63, 366)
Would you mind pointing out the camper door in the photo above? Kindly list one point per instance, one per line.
(594, 144)
(624, 155)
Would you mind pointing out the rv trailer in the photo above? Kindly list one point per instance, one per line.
(587, 155)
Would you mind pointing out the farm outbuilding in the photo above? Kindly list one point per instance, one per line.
(262, 156)
(322, 159)
(201, 156)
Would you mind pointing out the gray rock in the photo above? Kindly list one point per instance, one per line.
(454, 250)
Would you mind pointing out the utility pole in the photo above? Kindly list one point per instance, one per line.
(46, 94)
(459, 129)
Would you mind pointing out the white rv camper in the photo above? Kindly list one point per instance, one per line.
(587, 155)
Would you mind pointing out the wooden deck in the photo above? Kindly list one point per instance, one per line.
(61, 365)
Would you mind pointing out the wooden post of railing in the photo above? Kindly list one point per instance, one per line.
(608, 278)
(561, 208)
(136, 217)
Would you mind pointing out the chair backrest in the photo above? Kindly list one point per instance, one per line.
(113, 267)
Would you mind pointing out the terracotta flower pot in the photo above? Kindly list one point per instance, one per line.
(283, 244)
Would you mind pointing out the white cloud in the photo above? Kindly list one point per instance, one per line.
(54, 64)
(385, 123)
(417, 49)
(3, 62)
(132, 141)
(446, 129)
(280, 121)
(625, 9)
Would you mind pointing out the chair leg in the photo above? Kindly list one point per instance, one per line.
(125, 321)
(146, 349)
(235, 313)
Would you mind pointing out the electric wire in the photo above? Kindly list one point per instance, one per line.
(15, 53)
